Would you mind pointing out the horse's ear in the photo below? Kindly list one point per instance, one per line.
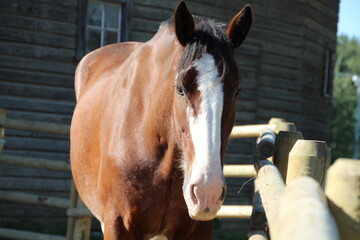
(184, 23)
(239, 26)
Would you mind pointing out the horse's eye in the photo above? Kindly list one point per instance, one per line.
(180, 91)
(238, 92)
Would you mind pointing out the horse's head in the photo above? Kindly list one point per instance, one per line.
(206, 87)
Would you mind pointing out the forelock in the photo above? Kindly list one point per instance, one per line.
(209, 37)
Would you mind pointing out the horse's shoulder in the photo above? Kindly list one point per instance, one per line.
(97, 62)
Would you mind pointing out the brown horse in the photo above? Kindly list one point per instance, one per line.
(151, 125)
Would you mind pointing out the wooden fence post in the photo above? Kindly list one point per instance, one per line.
(282, 125)
(285, 139)
(82, 225)
(342, 188)
(284, 143)
(304, 214)
(70, 221)
(308, 158)
(78, 227)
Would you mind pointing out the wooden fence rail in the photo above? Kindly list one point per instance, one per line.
(28, 198)
(54, 128)
(250, 131)
(291, 209)
(34, 163)
(239, 171)
(271, 187)
(303, 210)
(17, 234)
(76, 228)
(226, 211)
(247, 131)
(233, 170)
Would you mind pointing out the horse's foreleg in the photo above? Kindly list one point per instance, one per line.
(114, 229)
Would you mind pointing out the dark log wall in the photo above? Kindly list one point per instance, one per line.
(282, 63)
(294, 37)
(37, 49)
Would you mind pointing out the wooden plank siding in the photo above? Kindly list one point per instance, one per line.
(292, 63)
(281, 64)
(320, 27)
(37, 49)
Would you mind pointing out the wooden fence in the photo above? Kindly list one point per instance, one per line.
(289, 201)
(296, 211)
(78, 227)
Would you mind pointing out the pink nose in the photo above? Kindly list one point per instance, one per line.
(211, 194)
(204, 197)
(207, 199)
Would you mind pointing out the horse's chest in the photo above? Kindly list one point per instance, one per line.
(147, 186)
(154, 197)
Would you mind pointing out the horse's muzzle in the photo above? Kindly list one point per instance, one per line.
(204, 199)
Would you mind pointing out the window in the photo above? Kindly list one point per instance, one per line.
(328, 68)
(101, 23)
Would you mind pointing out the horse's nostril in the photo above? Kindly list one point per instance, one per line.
(223, 193)
(192, 192)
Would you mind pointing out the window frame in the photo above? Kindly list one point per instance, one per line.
(126, 10)
(328, 71)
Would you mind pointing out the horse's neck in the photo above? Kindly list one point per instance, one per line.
(161, 65)
(165, 49)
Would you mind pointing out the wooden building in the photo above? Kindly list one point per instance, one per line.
(286, 63)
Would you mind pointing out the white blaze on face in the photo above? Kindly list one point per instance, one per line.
(204, 184)
(205, 128)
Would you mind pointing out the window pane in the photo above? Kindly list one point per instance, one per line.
(110, 37)
(93, 37)
(111, 16)
(94, 13)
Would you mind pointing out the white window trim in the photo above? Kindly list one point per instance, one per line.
(103, 28)
(123, 30)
